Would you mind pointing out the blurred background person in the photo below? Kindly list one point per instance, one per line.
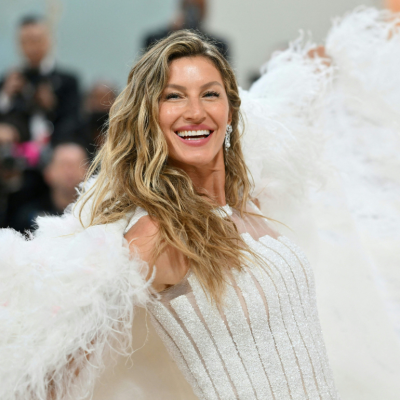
(65, 169)
(39, 107)
(21, 178)
(190, 15)
(99, 99)
(10, 173)
(39, 94)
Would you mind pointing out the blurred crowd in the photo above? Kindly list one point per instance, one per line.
(49, 130)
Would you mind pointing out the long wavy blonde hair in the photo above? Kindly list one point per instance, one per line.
(133, 170)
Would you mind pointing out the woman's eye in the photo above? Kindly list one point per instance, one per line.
(211, 94)
(172, 96)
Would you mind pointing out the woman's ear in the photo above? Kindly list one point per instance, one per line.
(230, 117)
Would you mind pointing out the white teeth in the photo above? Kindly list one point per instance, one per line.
(193, 133)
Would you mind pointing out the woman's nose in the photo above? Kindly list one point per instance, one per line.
(194, 111)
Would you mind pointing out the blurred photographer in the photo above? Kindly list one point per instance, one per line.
(20, 179)
(98, 101)
(38, 94)
(64, 169)
(191, 15)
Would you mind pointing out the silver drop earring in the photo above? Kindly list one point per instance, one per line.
(228, 137)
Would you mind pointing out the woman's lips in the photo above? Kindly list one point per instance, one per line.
(194, 138)
(194, 134)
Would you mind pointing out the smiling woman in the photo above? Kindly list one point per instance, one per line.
(231, 301)
(236, 306)
(155, 159)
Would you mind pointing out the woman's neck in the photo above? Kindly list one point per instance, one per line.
(208, 179)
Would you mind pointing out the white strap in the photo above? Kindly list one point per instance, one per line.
(139, 213)
(223, 211)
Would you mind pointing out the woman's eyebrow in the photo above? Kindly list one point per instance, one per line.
(173, 85)
(210, 84)
(179, 87)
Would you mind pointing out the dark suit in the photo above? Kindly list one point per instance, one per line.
(221, 44)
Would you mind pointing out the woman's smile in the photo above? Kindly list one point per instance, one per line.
(194, 135)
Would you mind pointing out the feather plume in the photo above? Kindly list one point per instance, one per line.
(283, 139)
(66, 295)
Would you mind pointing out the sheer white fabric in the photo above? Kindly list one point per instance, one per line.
(265, 342)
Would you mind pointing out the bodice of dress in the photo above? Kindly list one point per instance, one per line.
(265, 342)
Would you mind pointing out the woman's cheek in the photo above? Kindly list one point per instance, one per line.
(168, 116)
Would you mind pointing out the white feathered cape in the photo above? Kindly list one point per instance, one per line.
(69, 293)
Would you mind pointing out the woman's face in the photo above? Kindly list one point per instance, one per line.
(194, 112)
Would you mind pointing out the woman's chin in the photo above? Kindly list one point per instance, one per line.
(197, 160)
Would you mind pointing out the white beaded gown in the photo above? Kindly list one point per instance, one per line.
(265, 342)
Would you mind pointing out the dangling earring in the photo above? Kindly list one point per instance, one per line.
(228, 137)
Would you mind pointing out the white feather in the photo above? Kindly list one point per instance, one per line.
(365, 45)
(283, 140)
(66, 295)
(363, 117)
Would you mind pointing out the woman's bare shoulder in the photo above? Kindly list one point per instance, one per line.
(170, 265)
(142, 237)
